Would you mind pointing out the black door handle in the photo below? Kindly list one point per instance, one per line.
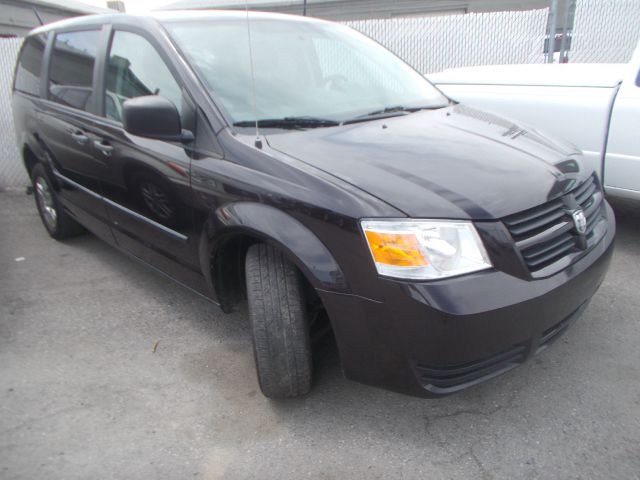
(105, 148)
(79, 137)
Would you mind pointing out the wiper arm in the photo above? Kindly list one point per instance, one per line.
(389, 112)
(289, 122)
(397, 108)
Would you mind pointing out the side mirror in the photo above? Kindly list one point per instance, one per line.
(152, 116)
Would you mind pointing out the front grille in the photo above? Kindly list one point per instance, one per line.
(449, 378)
(546, 233)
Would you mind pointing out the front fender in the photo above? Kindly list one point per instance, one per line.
(278, 228)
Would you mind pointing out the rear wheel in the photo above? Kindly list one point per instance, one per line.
(279, 320)
(58, 222)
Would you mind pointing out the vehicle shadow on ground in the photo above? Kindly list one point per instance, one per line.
(628, 224)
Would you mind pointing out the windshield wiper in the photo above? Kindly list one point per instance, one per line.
(289, 122)
(397, 108)
(393, 111)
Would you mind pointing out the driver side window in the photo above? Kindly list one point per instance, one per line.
(135, 69)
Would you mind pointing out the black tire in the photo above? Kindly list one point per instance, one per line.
(57, 221)
(278, 314)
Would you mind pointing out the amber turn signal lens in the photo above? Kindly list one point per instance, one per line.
(401, 250)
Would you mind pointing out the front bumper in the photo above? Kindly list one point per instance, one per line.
(432, 339)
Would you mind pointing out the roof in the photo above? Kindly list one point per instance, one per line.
(225, 14)
(367, 9)
(162, 16)
(208, 4)
(570, 74)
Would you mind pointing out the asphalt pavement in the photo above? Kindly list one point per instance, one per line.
(110, 371)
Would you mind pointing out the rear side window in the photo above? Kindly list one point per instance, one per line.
(71, 71)
(135, 69)
(29, 69)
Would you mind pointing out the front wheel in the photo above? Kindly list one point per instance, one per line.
(278, 314)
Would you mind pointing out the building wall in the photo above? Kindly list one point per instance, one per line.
(17, 17)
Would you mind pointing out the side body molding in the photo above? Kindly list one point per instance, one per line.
(274, 226)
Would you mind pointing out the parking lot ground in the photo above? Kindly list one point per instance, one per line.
(83, 395)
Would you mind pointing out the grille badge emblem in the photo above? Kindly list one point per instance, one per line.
(579, 221)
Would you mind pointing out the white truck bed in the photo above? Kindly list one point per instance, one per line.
(548, 75)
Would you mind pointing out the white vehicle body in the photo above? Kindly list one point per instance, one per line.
(594, 106)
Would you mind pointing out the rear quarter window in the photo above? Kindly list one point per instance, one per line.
(29, 67)
(71, 71)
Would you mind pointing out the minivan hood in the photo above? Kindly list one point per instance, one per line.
(454, 162)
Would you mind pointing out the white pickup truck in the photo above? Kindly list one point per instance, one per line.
(594, 106)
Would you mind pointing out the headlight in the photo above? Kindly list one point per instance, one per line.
(425, 249)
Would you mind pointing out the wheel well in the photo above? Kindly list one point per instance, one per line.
(228, 273)
(29, 159)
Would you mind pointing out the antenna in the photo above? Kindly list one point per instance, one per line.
(35, 11)
(258, 141)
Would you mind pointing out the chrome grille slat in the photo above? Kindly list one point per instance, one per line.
(543, 248)
(545, 236)
(591, 207)
(584, 191)
(534, 213)
(591, 222)
(556, 252)
(537, 224)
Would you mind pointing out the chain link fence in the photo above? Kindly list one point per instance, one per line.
(605, 31)
(431, 44)
(12, 172)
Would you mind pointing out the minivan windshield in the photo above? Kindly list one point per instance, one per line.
(307, 73)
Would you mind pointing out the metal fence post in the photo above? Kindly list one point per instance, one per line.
(553, 19)
(570, 7)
